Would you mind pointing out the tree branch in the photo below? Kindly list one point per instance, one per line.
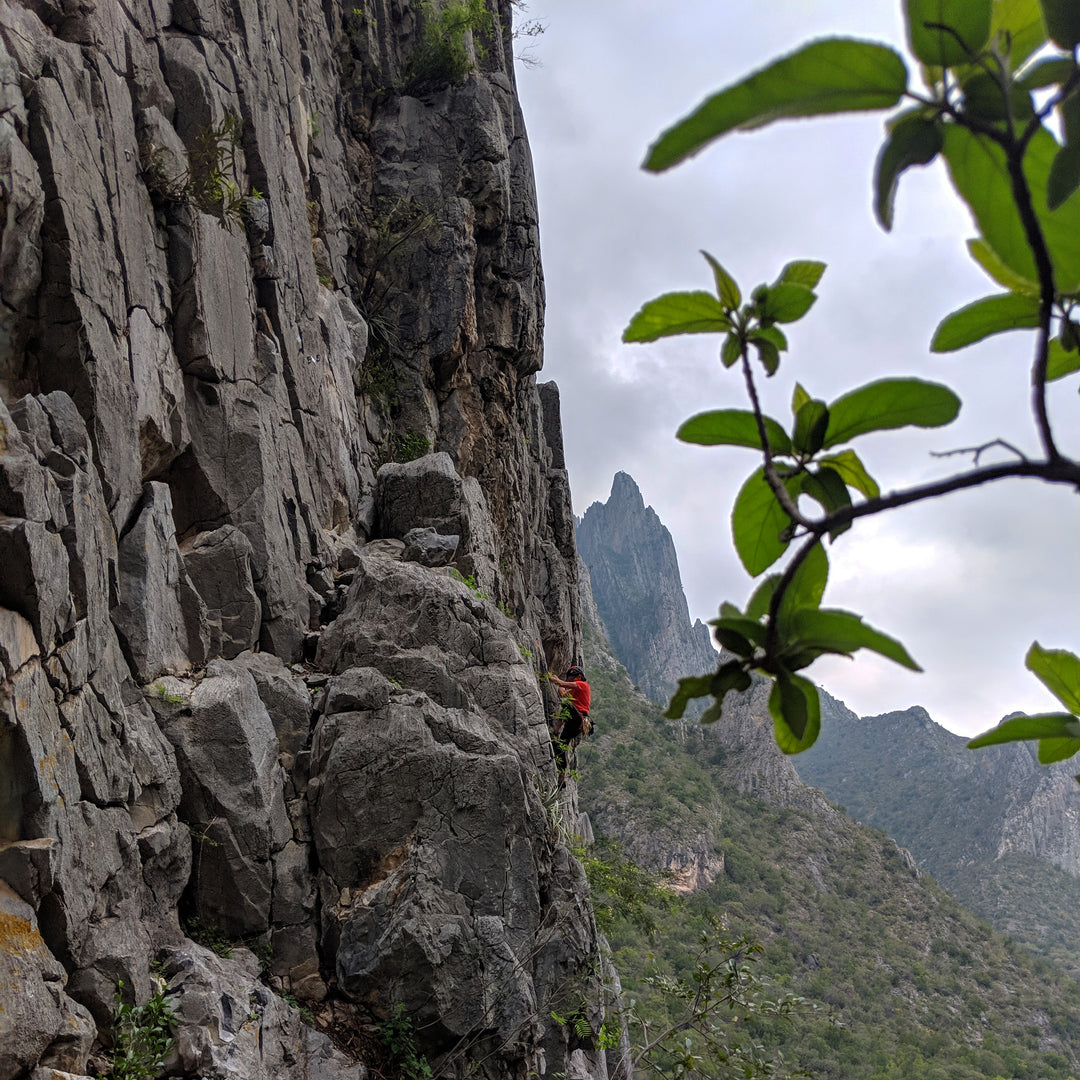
(783, 497)
(978, 451)
(1059, 471)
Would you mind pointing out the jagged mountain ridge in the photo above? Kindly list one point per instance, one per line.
(272, 300)
(634, 574)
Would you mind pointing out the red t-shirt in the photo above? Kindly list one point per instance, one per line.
(581, 695)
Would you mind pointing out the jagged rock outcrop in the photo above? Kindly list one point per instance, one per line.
(636, 584)
(250, 262)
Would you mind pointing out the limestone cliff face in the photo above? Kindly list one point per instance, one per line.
(271, 299)
(638, 591)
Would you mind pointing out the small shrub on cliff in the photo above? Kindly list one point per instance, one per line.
(622, 890)
(443, 57)
(398, 1039)
(142, 1036)
(210, 183)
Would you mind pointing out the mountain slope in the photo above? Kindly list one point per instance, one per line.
(917, 985)
(998, 830)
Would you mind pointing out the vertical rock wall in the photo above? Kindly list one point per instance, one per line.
(253, 263)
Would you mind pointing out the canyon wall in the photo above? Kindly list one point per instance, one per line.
(270, 301)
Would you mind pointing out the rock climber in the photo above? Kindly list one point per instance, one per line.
(573, 722)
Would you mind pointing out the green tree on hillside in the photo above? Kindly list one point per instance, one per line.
(999, 79)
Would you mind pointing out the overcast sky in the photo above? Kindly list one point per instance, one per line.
(967, 583)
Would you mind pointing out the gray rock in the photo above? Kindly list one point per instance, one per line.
(233, 796)
(160, 617)
(429, 548)
(231, 1026)
(429, 493)
(33, 1005)
(219, 565)
(385, 549)
(285, 696)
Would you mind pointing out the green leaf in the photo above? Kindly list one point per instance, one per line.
(807, 586)
(984, 100)
(799, 397)
(731, 351)
(843, 632)
(771, 333)
(1059, 671)
(848, 466)
(796, 711)
(677, 313)
(890, 403)
(694, 686)
(1047, 73)
(968, 30)
(1064, 176)
(914, 140)
(1052, 750)
(1070, 118)
(978, 170)
(803, 272)
(1061, 362)
(1062, 22)
(729, 676)
(762, 598)
(757, 520)
(830, 76)
(730, 611)
(1020, 24)
(811, 422)
(984, 255)
(733, 427)
(726, 287)
(750, 630)
(768, 354)
(1022, 728)
(787, 302)
(991, 315)
(826, 487)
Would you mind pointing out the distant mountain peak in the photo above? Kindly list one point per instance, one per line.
(638, 591)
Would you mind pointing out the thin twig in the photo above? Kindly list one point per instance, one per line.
(978, 451)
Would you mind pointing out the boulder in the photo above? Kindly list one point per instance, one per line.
(429, 548)
(233, 795)
(429, 493)
(229, 1025)
(34, 1010)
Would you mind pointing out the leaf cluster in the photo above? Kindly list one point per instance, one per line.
(142, 1035)
(1000, 81)
(398, 1037)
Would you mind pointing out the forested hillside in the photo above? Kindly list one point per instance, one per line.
(994, 827)
(906, 981)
